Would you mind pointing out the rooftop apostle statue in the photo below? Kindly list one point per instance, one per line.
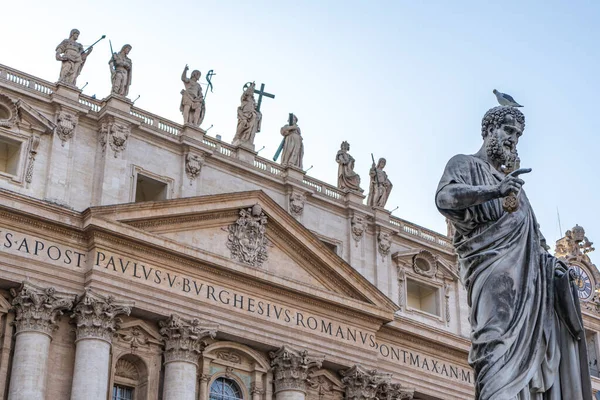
(120, 70)
(192, 101)
(527, 333)
(72, 56)
(347, 178)
(293, 148)
(380, 186)
(249, 118)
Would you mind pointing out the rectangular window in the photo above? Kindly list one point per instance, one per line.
(148, 189)
(422, 297)
(10, 155)
(122, 393)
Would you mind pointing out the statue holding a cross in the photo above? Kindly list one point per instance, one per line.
(249, 118)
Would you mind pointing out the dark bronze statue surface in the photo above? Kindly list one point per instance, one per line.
(528, 341)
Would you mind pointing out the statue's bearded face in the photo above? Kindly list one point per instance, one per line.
(501, 142)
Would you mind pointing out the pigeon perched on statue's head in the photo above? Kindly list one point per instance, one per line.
(505, 99)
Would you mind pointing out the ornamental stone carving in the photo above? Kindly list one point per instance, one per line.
(66, 123)
(291, 368)
(9, 111)
(384, 243)
(230, 356)
(39, 308)
(425, 264)
(247, 238)
(96, 316)
(394, 391)
(401, 291)
(126, 369)
(358, 227)
(297, 204)
(447, 298)
(574, 245)
(256, 389)
(184, 338)
(363, 384)
(115, 134)
(193, 165)
(35, 142)
(135, 337)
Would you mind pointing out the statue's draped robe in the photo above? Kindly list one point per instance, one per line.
(71, 67)
(293, 148)
(249, 120)
(347, 178)
(526, 329)
(192, 96)
(380, 188)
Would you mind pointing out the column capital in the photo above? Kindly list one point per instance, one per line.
(95, 316)
(394, 391)
(363, 384)
(38, 309)
(291, 368)
(184, 338)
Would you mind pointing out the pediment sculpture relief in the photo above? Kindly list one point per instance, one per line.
(247, 238)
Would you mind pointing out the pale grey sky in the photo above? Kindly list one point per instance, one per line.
(404, 80)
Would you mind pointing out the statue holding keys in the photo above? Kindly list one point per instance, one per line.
(72, 56)
(527, 334)
(192, 101)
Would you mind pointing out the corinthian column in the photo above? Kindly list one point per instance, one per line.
(364, 384)
(96, 320)
(290, 372)
(183, 346)
(37, 311)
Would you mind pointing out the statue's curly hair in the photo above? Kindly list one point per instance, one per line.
(495, 117)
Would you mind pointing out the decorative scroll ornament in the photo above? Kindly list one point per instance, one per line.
(256, 388)
(394, 391)
(35, 142)
(95, 316)
(363, 384)
(425, 264)
(247, 238)
(358, 227)
(291, 368)
(65, 127)
(135, 337)
(401, 291)
(297, 204)
(193, 165)
(229, 356)
(447, 297)
(384, 242)
(184, 338)
(38, 308)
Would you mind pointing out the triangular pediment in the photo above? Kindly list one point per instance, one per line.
(216, 226)
(438, 266)
(17, 112)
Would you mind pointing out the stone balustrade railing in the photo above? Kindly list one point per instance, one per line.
(25, 80)
(164, 126)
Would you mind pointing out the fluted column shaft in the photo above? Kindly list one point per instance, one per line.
(183, 345)
(96, 320)
(37, 312)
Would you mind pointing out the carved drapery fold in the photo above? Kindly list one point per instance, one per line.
(184, 338)
(363, 384)
(39, 308)
(291, 368)
(96, 316)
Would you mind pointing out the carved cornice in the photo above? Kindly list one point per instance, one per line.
(186, 219)
(95, 316)
(363, 384)
(38, 309)
(291, 368)
(184, 338)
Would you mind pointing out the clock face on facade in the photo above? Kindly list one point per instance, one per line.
(583, 282)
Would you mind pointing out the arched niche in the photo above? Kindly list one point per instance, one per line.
(240, 363)
(131, 372)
